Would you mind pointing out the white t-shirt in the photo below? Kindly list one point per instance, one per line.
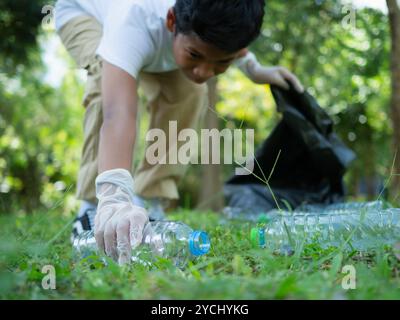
(134, 34)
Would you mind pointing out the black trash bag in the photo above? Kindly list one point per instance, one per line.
(310, 167)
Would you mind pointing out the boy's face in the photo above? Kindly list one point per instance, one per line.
(199, 60)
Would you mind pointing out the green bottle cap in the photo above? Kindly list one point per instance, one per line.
(263, 218)
(254, 237)
(257, 237)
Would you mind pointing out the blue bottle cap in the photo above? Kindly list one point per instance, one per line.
(199, 243)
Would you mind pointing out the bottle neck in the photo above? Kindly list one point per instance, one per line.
(199, 243)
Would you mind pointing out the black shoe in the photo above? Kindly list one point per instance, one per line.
(83, 223)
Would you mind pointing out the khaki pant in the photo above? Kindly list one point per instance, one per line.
(171, 97)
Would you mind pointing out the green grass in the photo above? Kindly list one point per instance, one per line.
(232, 270)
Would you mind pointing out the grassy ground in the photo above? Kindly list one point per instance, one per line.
(232, 270)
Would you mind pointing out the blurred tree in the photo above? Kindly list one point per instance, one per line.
(394, 18)
(40, 134)
(39, 126)
(19, 26)
(340, 54)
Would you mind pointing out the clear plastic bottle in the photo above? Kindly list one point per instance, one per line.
(252, 214)
(355, 226)
(166, 239)
(345, 207)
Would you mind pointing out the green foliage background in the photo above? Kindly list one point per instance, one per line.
(344, 65)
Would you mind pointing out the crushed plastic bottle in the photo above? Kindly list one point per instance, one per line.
(235, 213)
(171, 240)
(355, 226)
(345, 207)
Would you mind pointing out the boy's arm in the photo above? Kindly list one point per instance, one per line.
(117, 135)
(118, 222)
(267, 75)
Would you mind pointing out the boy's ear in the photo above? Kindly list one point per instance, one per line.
(171, 20)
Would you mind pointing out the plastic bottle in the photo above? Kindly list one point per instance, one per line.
(251, 214)
(345, 207)
(170, 240)
(359, 227)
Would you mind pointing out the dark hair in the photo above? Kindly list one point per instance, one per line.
(230, 25)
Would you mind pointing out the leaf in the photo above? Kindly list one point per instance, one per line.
(336, 264)
(396, 250)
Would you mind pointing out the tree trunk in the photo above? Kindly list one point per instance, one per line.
(394, 18)
(211, 190)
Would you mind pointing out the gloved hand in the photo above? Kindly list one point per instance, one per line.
(119, 223)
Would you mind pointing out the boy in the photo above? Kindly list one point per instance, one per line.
(171, 48)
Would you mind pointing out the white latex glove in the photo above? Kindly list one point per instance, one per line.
(259, 74)
(119, 223)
